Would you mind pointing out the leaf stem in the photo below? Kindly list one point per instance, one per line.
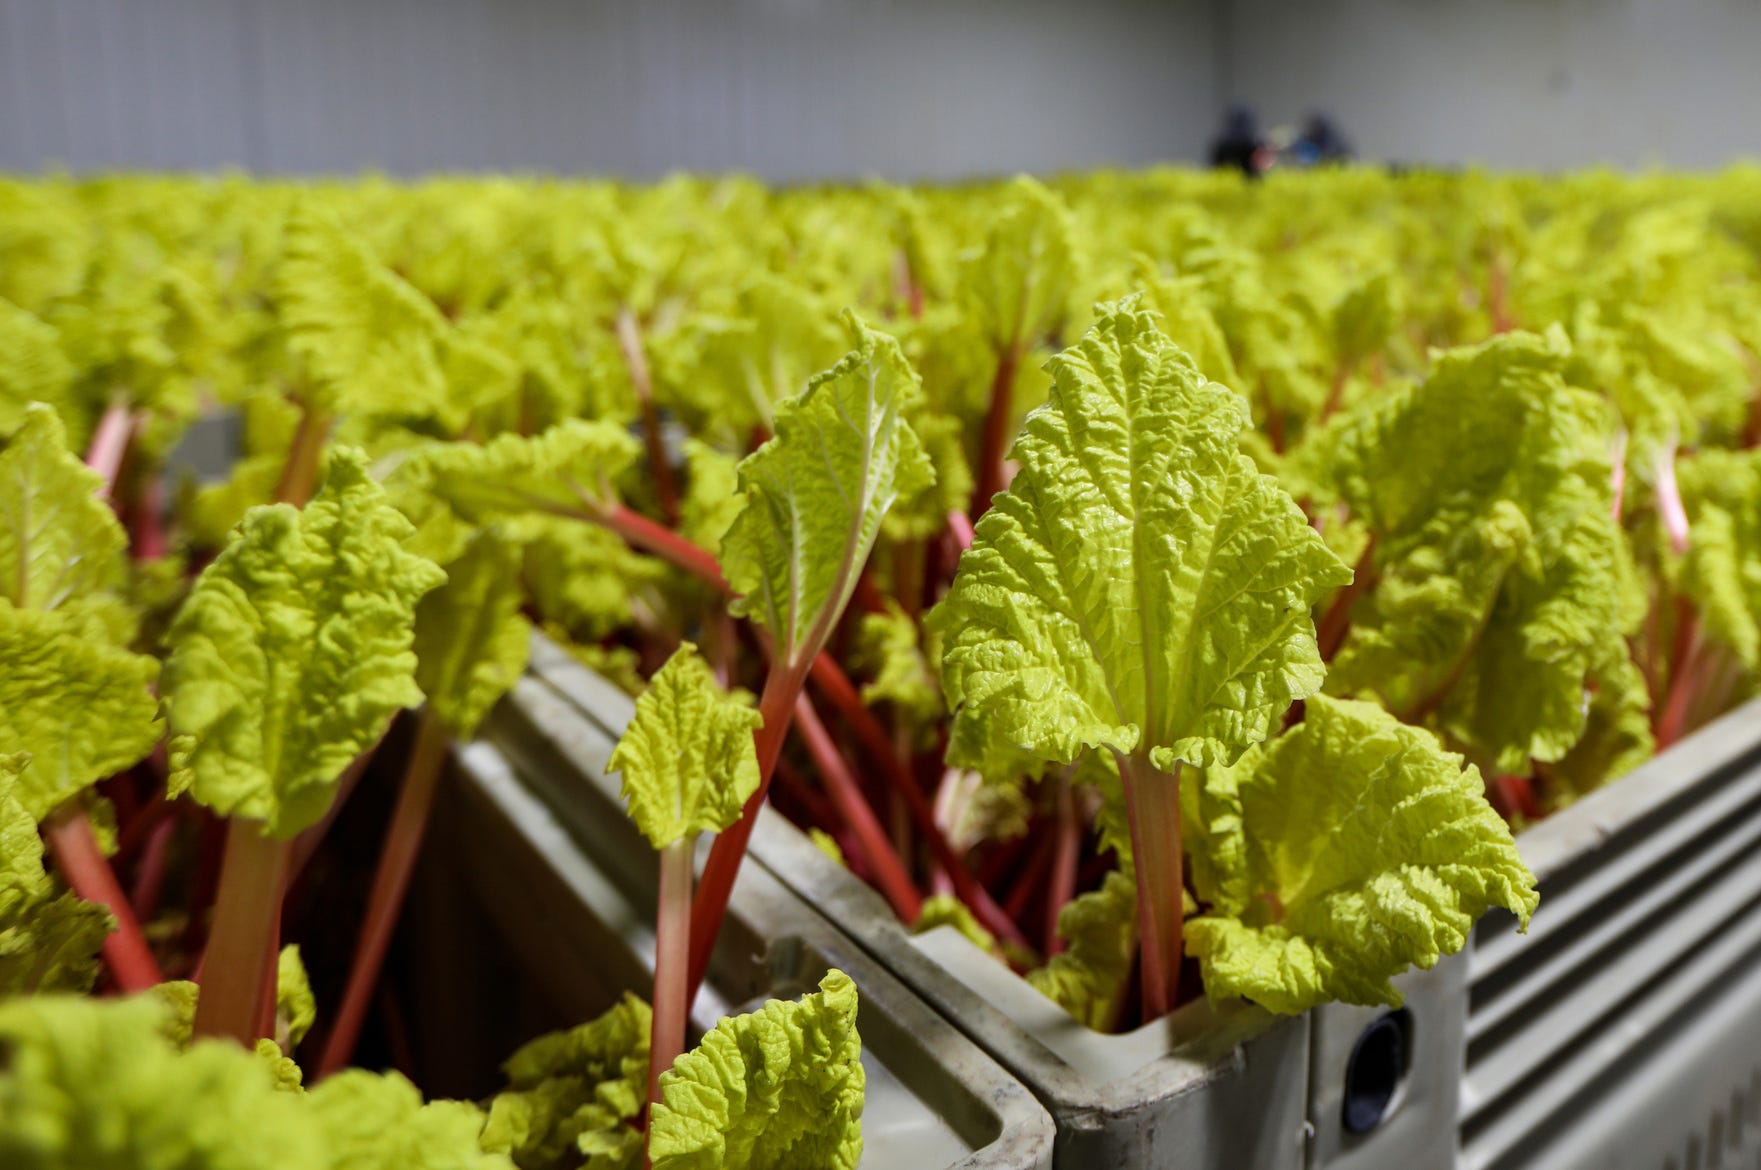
(110, 442)
(710, 905)
(672, 961)
(1336, 622)
(299, 476)
(836, 686)
(888, 869)
(1066, 848)
(995, 444)
(1152, 800)
(641, 532)
(636, 361)
(89, 875)
(391, 882)
(238, 968)
(1683, 673)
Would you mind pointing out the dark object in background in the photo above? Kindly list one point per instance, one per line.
(1241, 146)
(1320, 143)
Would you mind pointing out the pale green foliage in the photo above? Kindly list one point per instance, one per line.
(471, 639)
(83, 709)
(712, 497)
(887, 646)
(568, 469)
(1100, 928)
(946, 910)
(1140, 586)
(1721, 572)
(1021, 285)
(1364, 319)
(572, 1095)
(777, 336)
(779, 1089)
(296, 1010)
(1488, 491)
(100, 1085)
(814, 495)
(302, 606)
(1617, 729)
(687, 757)
(32, 366)
(59, 540)
(1364, 849)
(374, 346)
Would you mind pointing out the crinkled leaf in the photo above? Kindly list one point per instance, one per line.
(378, 1122)
(887, 646)
(293, 650)
(82, 708)
(779, 1089)
(59, 540)
(1497, 561)
(32, 366)
(948, 910)
(712, 495)
(471, 638)
(1100, 927)
(566, 469)
(1365, 849)
(815, 494)
(1021, 285)
(575, 1092)
(1140, 586)
(94, 1084)
(687, 757)
(48, 941)
(1721, 571)
(295, 1008)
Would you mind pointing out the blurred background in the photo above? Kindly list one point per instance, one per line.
(906, 89)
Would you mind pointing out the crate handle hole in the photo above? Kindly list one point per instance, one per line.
(1373, 1076)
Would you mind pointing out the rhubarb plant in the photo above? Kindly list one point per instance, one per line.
(1143, 590)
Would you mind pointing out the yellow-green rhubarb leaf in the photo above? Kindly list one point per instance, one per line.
(1365, 849)
(82, 708)
(471, 638)
(566, 470)
(687, 757)
(32, 366)
(779, 1089)
(1140, 586)
(1100, 927)
(60, 542)
(815, 494)
(293, 650)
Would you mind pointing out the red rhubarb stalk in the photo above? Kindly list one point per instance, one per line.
(391, 882)
(995, 443)
(1336, 622)
(836, 685)
(238, 968)
(776, 706)
(672, 961)
(889, 871)
(1066, 852)
(1152, 801)
(109, 443)
(85, 870)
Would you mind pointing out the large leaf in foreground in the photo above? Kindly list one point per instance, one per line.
(779, 1089)
(1363, 848)
(815, 494)
(1140, 586)
(293, 651)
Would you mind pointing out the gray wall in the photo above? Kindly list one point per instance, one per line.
(789, 89)
(1512, 83)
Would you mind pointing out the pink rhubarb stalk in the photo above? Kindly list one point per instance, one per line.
(1152, 800)
(238, 968)
(672, 962)
(391, 882)
(82, 865)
